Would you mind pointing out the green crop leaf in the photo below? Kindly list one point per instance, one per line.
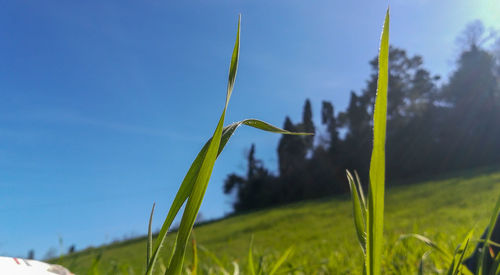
(194, 269)
(214, 259)
(281, 260)
(421, 264)
(375, 217)
(195, 182)
(481, 269)
(428, 242)
(150, 236)
(188, 182)
(358, 214)
(361, 193)
(462, 249)
(195, 199)
(250, 267)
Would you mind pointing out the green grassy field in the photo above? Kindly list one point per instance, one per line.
(322, 231)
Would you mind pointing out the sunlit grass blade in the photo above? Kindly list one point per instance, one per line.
(94, 268)
(150, 237)
(357, 206)
(429, 243)
(200, 171)
(375, 220)
(214, 259)
(451, 267)
(250, 264)
(200, 185)
(481, 269)
(462, 249)
(233, 66)
(281, 260)
(188, 182)
(421, 264)
(361, 192)
(194, 269)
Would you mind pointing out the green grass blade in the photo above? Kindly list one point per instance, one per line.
(463, 247)
(233, 67)
(180, 198)
(421, 264)
(281, 260)
(195, 199)
(202, 178)
(214, 259)
(428, 242)
(188, 181)
(375, 220)
(361, 193)
(451, 268)
(359, 221)
(94, 268)
(150, 237)
(186, 187)
(251, 266)
(484, 253)
(194, 269)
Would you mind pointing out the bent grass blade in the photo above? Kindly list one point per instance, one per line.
(195, 182)
(359, 210)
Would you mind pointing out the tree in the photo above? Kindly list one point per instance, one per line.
(255, 190)
(430, 129)
(328, 119)
(473, 96)
(308, 126)
(291, 150)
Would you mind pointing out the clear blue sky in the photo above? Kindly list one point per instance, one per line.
(104, 104)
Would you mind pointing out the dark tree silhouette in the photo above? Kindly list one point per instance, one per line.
(430, 129)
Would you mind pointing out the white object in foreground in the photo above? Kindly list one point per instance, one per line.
(18, 266)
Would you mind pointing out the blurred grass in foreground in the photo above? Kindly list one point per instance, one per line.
(323, 233)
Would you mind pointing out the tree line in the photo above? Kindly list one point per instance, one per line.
(432, 128)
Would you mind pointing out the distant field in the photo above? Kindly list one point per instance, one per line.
(323, 234)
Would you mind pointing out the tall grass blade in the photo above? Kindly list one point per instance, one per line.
(188, 182)
(421, 264)
(186, 189)
(194, 269)
(361, 193)
(359, 221)
(481, 268)
(375, 220)
(200, 185)
(150, 237)
(281, 260)
(451, 268)
(251, 266)
(94, 268)
(462, 249)
(428, 242)
(214, 258)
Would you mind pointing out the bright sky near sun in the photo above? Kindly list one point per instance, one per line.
(104, 104)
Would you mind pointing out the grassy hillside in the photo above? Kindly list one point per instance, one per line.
(322, 231)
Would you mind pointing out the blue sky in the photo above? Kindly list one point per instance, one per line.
(104, 104)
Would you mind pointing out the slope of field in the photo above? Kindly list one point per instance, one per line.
(322, 231)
